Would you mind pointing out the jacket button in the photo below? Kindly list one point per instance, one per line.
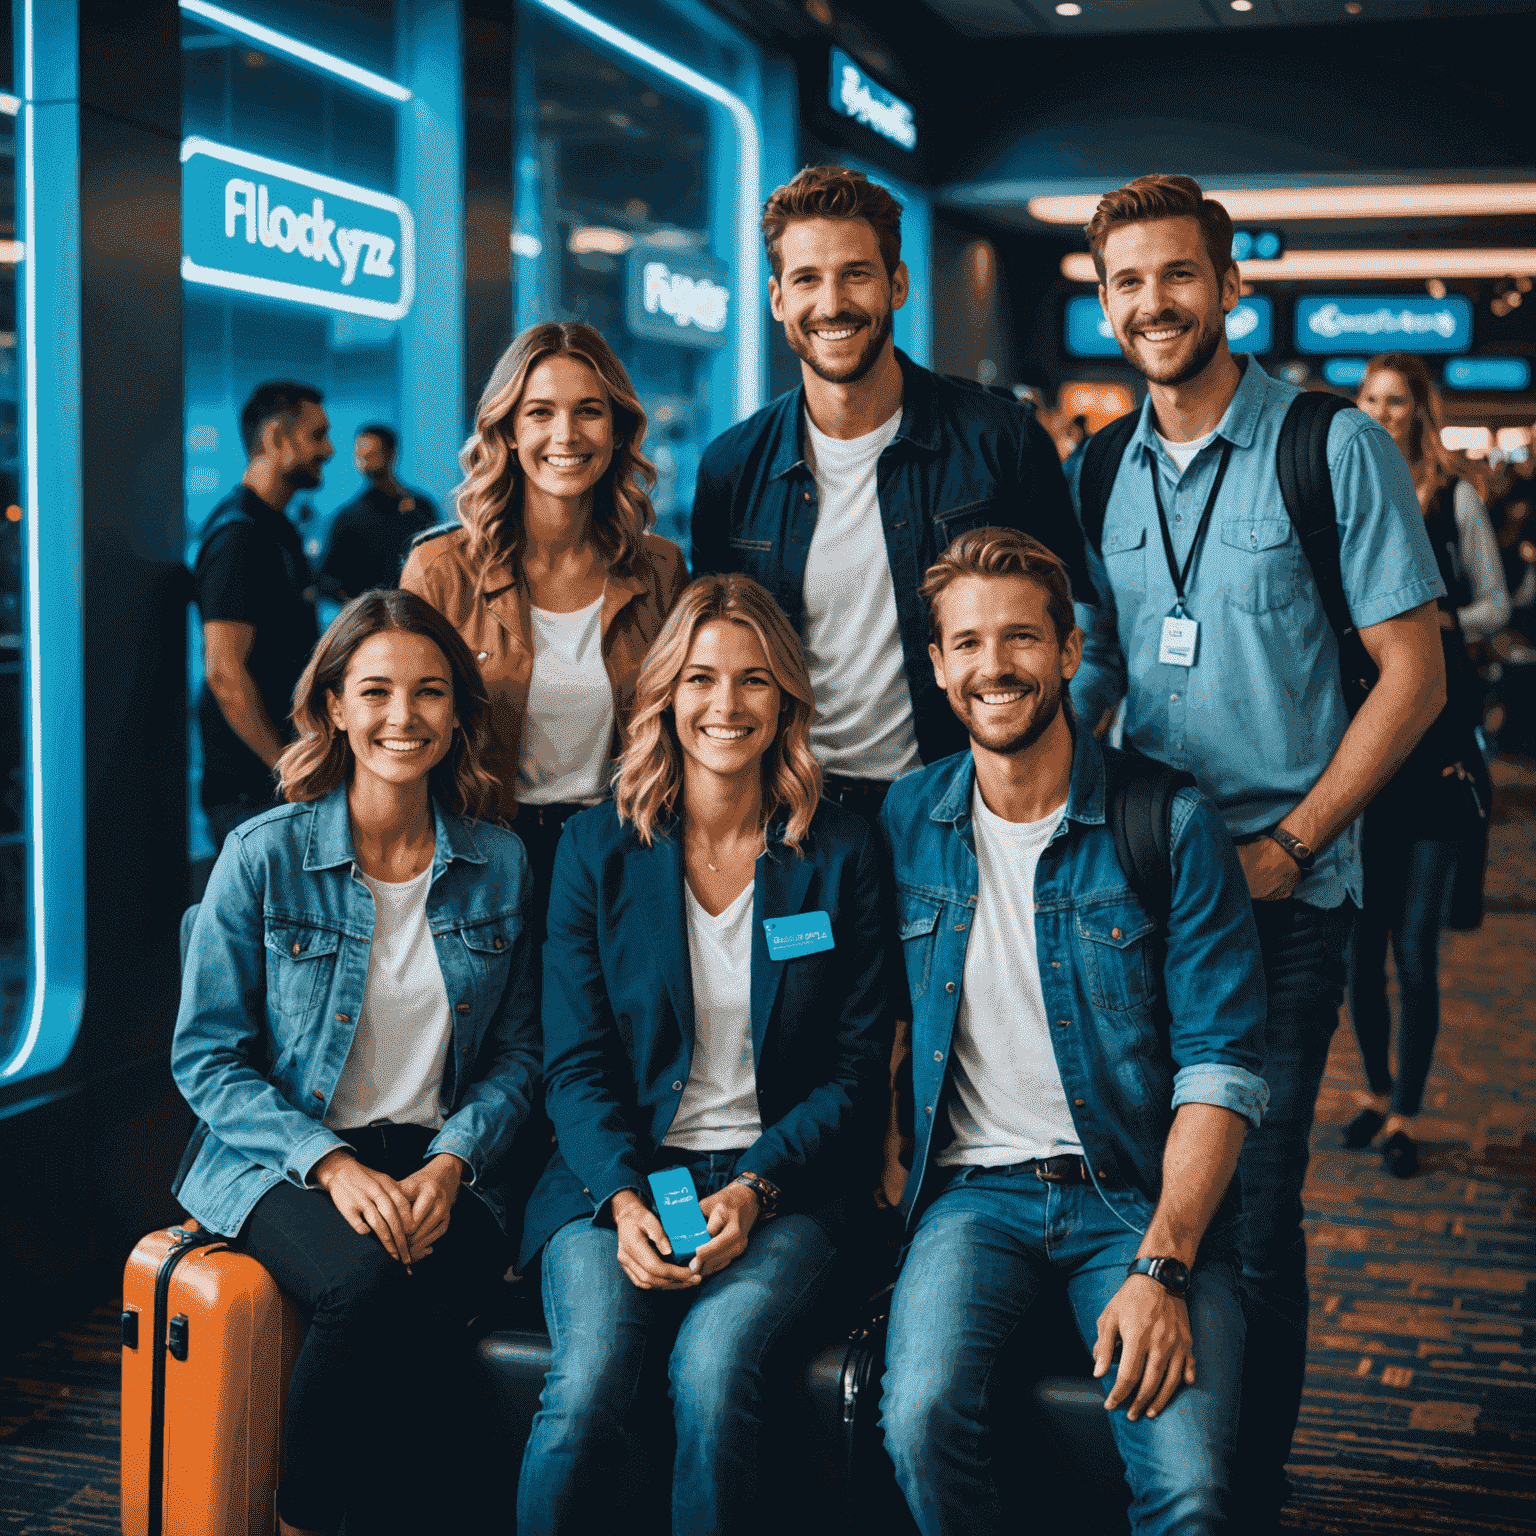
(1055, 965)
(938, 1055)
(1114, 933)
(805, 495)
(959, 927)
(500, 943)
(463, 1007)
(1062, 1023)
(463, 1050)
(342, 1018)
(1078, 1102)
(677, 1087)
(928, 1109)
(949, 986)
(296, 946)
(319, 1095)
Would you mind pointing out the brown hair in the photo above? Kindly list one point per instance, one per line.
(1424, 427)
(321, 756)
(1000, 552)
(490, 500)
(650, 772)
(1162, 197)
(833, 192)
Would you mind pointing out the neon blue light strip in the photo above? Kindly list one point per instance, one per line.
(749, 280)
(316, 58)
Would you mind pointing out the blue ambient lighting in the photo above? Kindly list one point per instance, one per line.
(1266, 245)
(1488, 373)
(855, 95)
(1345, 372)
(749, 150)
(316, 58)
(1383, 322)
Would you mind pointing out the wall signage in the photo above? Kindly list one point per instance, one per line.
(1344, 372)
(855, 95)
(1391, 322)
(1488, 373)
(1250, 327)
(678, 296)
(1256, 244)
(258, 226)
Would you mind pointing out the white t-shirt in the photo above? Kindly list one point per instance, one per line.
(719, 1103)
(863, 726)
(394, 1070)
(1009, 1104)
(568, 726)
(1183, 454)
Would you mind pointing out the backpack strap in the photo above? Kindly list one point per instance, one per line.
(1101, 463)
(1138, 807)
(1306, 488)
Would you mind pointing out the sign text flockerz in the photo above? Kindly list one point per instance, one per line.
(258, 226)
(855, 95)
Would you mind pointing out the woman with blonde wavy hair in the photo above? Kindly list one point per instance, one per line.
(357, 1039)
(713, 1006)
(551, 574)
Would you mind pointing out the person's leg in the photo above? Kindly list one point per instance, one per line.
(735, 1330)
(1304, 969)
(968, 1278)
(1385, 870)
(1179, 1464)
(1431, 878)
(598, 1321)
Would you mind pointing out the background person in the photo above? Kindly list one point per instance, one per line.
(359, 1070)
(251, 583)
(674, 1037)
(1417, 826)
(551, 575)
(372, 534)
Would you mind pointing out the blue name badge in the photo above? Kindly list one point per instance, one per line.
(790, 937)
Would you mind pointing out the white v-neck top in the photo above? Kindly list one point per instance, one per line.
(568, 724)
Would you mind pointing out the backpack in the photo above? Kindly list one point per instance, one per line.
(1301, 465)
(1138, 809)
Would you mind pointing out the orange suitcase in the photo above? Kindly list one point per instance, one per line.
(208, 1345)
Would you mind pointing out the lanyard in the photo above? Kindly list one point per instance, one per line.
(1181, 577)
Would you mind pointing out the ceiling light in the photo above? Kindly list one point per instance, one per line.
(1357, 266)
(1435, 288)
(1352, 7)
(1242, 5)
(595, 238)
(1256, 205)
(1068, 8)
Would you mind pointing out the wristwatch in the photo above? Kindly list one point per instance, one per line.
(1171, 1274)
(767, 1194)
(1298, 850)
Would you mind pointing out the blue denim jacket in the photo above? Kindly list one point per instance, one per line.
(273, 987)
(962, 458)
(1134, 1038)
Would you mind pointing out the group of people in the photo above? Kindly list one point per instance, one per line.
(804, 875)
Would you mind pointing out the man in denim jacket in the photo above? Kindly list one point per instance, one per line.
(1083, 1081)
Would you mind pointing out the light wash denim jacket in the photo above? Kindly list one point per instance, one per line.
(273, 987)
(1139, 1025)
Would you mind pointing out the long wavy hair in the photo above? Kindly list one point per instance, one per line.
(321, 756)
(649, 778)
(1427, 455)
(490, 499)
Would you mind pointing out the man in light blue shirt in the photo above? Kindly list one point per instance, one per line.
(1211, 629)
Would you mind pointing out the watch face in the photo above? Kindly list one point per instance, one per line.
(1173, 1275)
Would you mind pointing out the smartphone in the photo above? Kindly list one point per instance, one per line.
(677, 1203)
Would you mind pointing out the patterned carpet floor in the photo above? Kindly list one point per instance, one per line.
(1420, 1408)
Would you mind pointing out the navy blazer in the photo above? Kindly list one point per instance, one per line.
(618, 1015)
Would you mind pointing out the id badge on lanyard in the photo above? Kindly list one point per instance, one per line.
(1180, 641)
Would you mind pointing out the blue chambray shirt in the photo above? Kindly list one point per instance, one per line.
(1260, 714)
(1138, 1027)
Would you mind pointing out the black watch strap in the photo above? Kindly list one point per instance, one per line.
(1171, 1274)
(1298, 850)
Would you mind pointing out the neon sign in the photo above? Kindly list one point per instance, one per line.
(680, 297)
(258, 226)
(855, 95)
(1250, 327)
(1400, 322)
(1488, 373)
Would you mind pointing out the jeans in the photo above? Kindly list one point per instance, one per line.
(1304, 951)
(1408, 889)
(727, 1332)
(976, 1262)
(381, 1343)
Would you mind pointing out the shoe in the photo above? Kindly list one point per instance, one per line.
(1400, 1153)
(1361, 1131)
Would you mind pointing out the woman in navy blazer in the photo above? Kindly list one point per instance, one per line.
(673, 1036)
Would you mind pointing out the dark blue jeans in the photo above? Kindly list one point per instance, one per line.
(1408, 888)
(1304, 955)
(726, 1333)
(975, 1264)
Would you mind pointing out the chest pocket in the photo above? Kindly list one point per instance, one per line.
(951, 522)
(301, 960)
(488, 947)
(1266, 572)
(1113, 941)
(918, 927)
(1125, 559)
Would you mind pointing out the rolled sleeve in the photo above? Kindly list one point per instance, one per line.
(1234, 1088)
(308, 1155)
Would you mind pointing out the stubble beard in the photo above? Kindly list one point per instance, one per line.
(879, 332)
(1043, 719)
(1206, 343)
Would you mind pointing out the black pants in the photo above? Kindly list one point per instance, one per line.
(539, 827)
(379, 1387)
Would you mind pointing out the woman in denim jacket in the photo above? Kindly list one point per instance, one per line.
(357, 1039)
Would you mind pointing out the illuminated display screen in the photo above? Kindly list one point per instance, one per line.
(1345, 372)
(1488, 373)
(1250, 327)
(855, 95)
(1388, 322)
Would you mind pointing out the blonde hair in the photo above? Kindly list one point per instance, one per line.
(1424, 445)
(490, 499)
(649, 777)
(321, 756)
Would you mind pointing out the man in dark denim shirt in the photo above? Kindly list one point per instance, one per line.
(1084, 1076)
(839, 495)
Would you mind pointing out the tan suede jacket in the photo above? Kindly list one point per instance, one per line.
(495, 626)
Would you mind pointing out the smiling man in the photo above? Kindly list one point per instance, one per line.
(1212, 629)
(1085, 1075)
(840, 494)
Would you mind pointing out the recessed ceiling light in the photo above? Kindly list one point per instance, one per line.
(1242, 5)
(1352, 7)
(1069, 8)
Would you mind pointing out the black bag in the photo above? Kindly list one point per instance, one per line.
(1138, 806)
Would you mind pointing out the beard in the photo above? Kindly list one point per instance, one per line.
(1052, 692)
(879, 331)
(305, 476)
(1207, 340)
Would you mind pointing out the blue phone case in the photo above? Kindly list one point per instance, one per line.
(677, 1204)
